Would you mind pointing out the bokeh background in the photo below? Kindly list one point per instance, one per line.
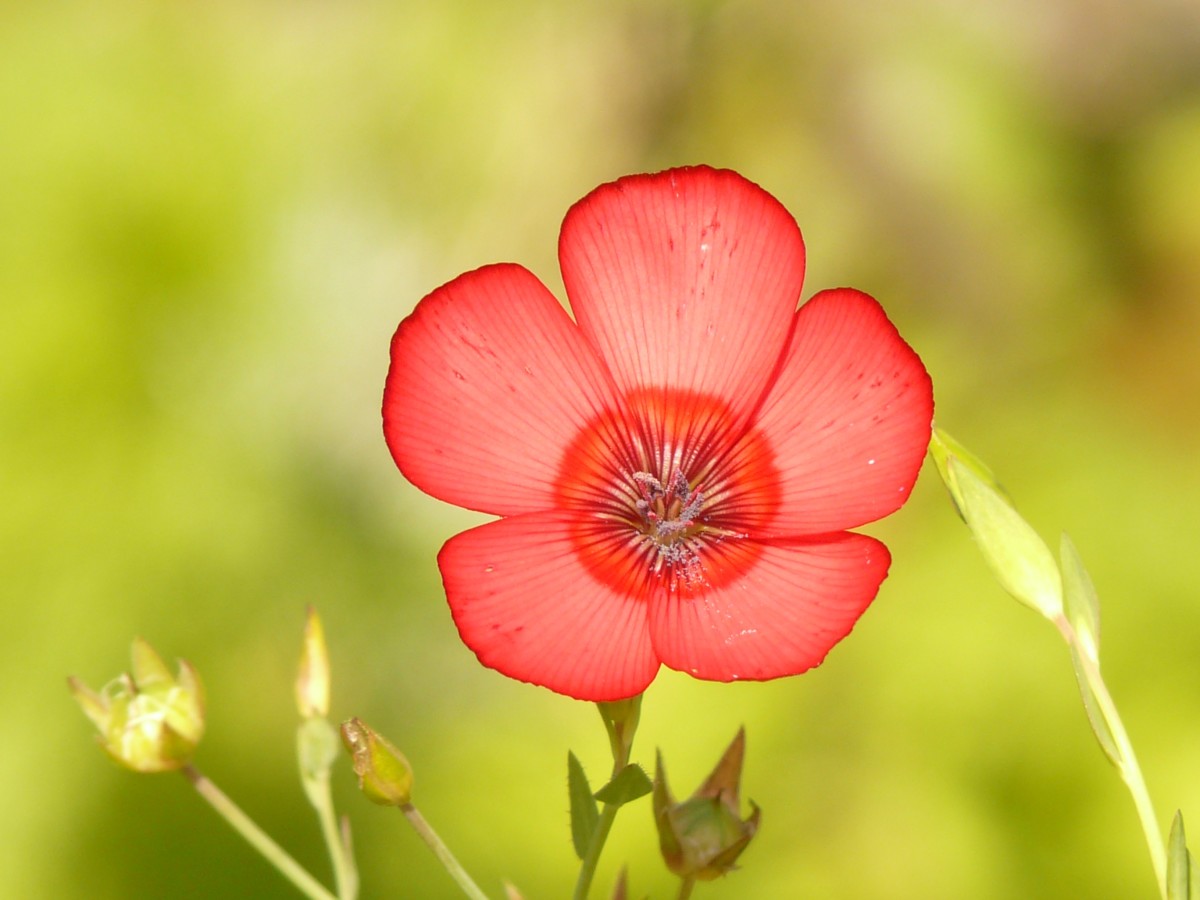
(212, 216)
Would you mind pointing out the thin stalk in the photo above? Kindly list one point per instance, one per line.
(256, 837)
(442, 852)
(345, 874)
(1131, 772)
(587, 870)
(685, 887)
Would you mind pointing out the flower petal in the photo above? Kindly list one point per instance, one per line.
(489, 383)
(791, 603)
(524, 602)
(849, 418)
(686, 280)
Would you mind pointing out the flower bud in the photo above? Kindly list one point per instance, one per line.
(703, 836)
(312, 679)
(621, 719)
(384, 775)
(150, 721)
(1017, 556)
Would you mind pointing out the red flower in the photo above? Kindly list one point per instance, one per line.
(674, 469)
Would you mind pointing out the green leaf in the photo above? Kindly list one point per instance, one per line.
(1095, 717)
(628, 784)
(1016, 555)
(584, 814)
(1178, 874)
(1082, 603)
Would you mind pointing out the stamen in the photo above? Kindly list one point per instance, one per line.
(670, 528)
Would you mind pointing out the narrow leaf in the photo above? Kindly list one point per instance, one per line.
(1079, 595)
(628, 784)
(1095, 717)
(1178, 875)
(584, 814)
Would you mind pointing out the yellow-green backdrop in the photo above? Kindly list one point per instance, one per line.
(213, 215)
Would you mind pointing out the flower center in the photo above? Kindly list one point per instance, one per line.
(669, 516)
(639, 522)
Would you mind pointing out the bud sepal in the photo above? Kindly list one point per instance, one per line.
(150, 720)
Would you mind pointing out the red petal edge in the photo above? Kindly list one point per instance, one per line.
(489, 383)
(792, 603)
(848, 419)
(686, 279)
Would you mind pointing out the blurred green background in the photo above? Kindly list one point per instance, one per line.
(212, 216)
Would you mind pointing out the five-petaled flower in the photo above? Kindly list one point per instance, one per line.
(674, 469)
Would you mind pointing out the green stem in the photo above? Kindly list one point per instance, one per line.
(685, 887)
(1131, 772)
(621, 721)
(344, 872)
(316, 750)
(587, 870)
(442, 852)
(256, 837)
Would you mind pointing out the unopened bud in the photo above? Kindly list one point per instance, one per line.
(703, 836)
(1017, 556)
(384, 775)
(312, 679)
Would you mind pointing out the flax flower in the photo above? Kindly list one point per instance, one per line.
(675, 468)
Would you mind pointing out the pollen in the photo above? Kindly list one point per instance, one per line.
(668, 521)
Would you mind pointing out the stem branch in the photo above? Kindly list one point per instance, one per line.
(442, 852)
(256, 837)
(345, 875)
(1131, 772)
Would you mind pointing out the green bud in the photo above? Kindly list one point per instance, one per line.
(621, 720)
(316, 747)
(312, 679)
(943, 448)
(1018, 558)
(150, 721)
(703, 836)
(384, 775)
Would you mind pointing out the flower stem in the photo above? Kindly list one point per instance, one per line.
(685, 888)
(621, 721)
(256, 837)
(1127, 764)
(442, 852)
(345, 874)
(587, 870)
